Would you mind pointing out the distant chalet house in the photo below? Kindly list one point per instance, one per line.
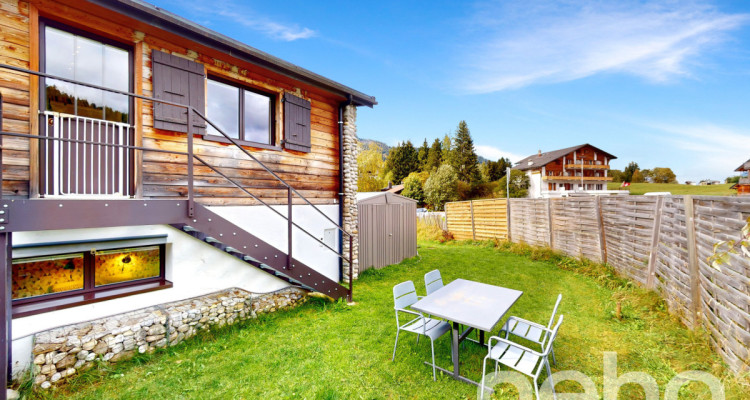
(100, 229)
(743, 186)
(579, 169)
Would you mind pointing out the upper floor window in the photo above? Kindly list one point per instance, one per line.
(241, 113)
(85, 59)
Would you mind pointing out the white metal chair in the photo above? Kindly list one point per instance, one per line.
(404, 295)
(433, 281)
(522, 359)
(532, 331)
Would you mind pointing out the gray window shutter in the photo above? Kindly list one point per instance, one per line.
(296, 123)
(180, 81)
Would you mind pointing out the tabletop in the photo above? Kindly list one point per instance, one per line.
(475, 304)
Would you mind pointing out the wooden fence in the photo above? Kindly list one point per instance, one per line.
(661, 242)
(478, 219)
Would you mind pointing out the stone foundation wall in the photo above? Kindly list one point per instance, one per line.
(62, 352)
(351, 148)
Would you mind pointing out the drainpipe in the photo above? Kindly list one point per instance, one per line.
(342, 106)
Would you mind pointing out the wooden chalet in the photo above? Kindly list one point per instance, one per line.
(561, 172)
(148, 159)
(743, 186)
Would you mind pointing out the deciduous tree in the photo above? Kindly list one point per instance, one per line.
(441, 187)
(370, 166)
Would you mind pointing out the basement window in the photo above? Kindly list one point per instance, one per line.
(50, 281)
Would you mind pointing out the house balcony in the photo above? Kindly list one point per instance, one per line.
(587, 166)
(577, 178)
(744, 181)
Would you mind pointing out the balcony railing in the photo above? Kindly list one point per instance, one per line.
(95, 168)
(577, 178)
(587, 166)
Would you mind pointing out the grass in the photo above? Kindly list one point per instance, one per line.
(677, 189)
(333, 351)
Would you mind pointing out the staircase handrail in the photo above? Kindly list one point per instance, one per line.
(190, 110)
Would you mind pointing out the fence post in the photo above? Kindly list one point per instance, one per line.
(507, 218)
(471, 211)
(692, 261)
(651, 274)
(602, 235)
(549, 223)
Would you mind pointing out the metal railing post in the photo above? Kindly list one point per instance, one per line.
(351, 268)
(191, 195)
(289, 228)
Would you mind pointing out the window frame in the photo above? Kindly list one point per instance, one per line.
(44, 23)
(90, 292)
(273, 99)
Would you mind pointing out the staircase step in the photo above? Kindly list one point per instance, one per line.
(209, 239)
(187, 228)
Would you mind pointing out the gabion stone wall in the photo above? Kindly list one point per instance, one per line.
(62, 352)
(350, 189)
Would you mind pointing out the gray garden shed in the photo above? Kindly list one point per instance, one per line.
(387, 229)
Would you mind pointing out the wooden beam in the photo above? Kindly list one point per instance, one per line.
(651, 273)
(695, 295)
(549, 223)
(602, 235)
(471, 211)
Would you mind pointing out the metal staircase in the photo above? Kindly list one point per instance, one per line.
(184, 214)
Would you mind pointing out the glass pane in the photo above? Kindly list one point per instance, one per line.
(59, 60)
(126, 265)
(89, 68)
(257, 118)
(88, 61)
(223, 108)
(60, 96)
(45, 275)
(116, 76)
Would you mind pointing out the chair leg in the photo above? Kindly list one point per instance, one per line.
(552, 350)
(395, 344)
(484, 371)
(536, 389)
(549, 373)
(418, 335)
(432, 345)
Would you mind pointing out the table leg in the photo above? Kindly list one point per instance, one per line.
(481, 337)
(454, 350)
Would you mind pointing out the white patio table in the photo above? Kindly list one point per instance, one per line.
(473, 304)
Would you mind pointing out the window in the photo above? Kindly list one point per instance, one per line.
(64, 280)
(241, 113)
(86, 59)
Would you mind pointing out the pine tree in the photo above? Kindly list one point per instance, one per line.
(435, 157)
(422, 155)
(447, 147)
(401, 161)
(464, 158)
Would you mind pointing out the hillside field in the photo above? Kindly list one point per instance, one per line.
(677, 189)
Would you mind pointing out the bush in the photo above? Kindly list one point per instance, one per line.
(441, 187)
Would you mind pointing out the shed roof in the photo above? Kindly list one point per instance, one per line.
(382, 198)
(744, 167)
(539, 160)
(160, 18)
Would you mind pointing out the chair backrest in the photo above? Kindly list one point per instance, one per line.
(554, 311)
(552, 336)
(404, 294)
(433, 281)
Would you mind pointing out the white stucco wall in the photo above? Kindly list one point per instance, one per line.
(271, 228)
(535, 184)
(194, 267)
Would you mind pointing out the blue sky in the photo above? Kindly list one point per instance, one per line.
(662, 83)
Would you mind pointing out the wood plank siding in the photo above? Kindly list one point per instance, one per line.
(315, 174)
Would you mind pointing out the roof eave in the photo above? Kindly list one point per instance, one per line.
(169, 22)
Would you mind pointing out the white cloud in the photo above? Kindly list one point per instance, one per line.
(538, 42)
(240, 13)
(494, 154)
(707, 150)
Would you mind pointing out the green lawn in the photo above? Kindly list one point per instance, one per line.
(334, 351)
(677, 189)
